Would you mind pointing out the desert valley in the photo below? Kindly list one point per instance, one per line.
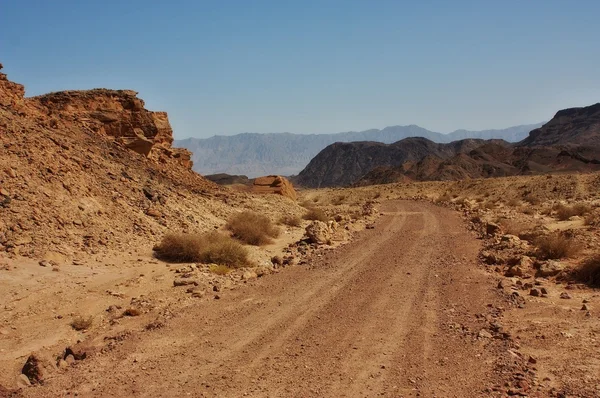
(414, 268)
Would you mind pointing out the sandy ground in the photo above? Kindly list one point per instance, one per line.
(401, 311)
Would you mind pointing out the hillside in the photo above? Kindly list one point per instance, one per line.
(568, 143)
(87, 172)
(255, 154)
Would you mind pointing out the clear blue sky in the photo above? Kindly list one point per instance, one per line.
(225, 67)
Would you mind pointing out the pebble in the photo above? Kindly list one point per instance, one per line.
(565, 295)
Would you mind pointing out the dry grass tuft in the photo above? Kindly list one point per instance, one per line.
(564, 212)
(219, 269)
(556, 246)
(207, 248)
(81, 323)
(589, 271)
(252, 228)
(514, 227)
(315, 215)
(290, 220)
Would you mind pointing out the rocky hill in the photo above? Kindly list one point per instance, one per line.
(569, 142)
(286, 154)
(82, 172)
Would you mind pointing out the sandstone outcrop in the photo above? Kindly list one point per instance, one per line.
(274, 184)
(119, 114)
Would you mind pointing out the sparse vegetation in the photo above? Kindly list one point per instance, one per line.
(315, 214)
(219, 269)
(82, 323)
(290, 220)
(556, 246)
(514, 227)
(564, 212)
(207, 248)
(589, 271)
(252, 228)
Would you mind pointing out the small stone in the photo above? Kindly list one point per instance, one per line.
(565, 295)
(70, 359)
(249, 275)
(585, 307)
(500, 285)
(535, 292)
(11, 173)
(585, 301)
(23, 381)
(184, 282)
(544, 290)
(484, 334)
(532, 360)
(44, 263)
(217, 297)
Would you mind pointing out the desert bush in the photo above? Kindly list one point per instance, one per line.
(252, 228)
(564, 212)
(338, 200)
(556, 246)
(207, 248)
(219, 269)
(532, 200)
(589, 271)
(290, 220)
(82, 323)
(446, 197)
(514, 227)
(514, 202)
(315, 214)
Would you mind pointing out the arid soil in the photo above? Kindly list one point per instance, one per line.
(402, 311)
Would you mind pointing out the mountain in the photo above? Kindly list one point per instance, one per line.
(256, 154)
(569, 142)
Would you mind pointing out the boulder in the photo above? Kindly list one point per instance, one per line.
(318, 232)
(274, 184)
(551, 268)
(37, 368)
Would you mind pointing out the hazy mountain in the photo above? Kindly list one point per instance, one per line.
(254, 154)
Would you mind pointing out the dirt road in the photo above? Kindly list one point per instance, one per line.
(395, 313)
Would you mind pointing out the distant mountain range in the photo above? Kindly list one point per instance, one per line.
(254, 154)
(570, 142)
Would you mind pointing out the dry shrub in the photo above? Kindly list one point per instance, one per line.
(290, 220)
(81, 323)
(564, 212)
(556, 246)
(338, 200)
(589, 271)
(207, 248)
(446, 197)
(514, 227)
(252, 228)
(532, 200)
(315, 215)
(219, 269)
(514, 202)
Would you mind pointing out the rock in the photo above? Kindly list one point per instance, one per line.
(37, 368)
(184, 282)
(551, 268)
(318, 232)
(276, 260)
(247, 275)
(23, 381)
(44, 263)
(196, 292)
(492, 228)
(274, 184)
(565, 296)
(152, 212)
(535, 292)
(585, 307)
(484, 334)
